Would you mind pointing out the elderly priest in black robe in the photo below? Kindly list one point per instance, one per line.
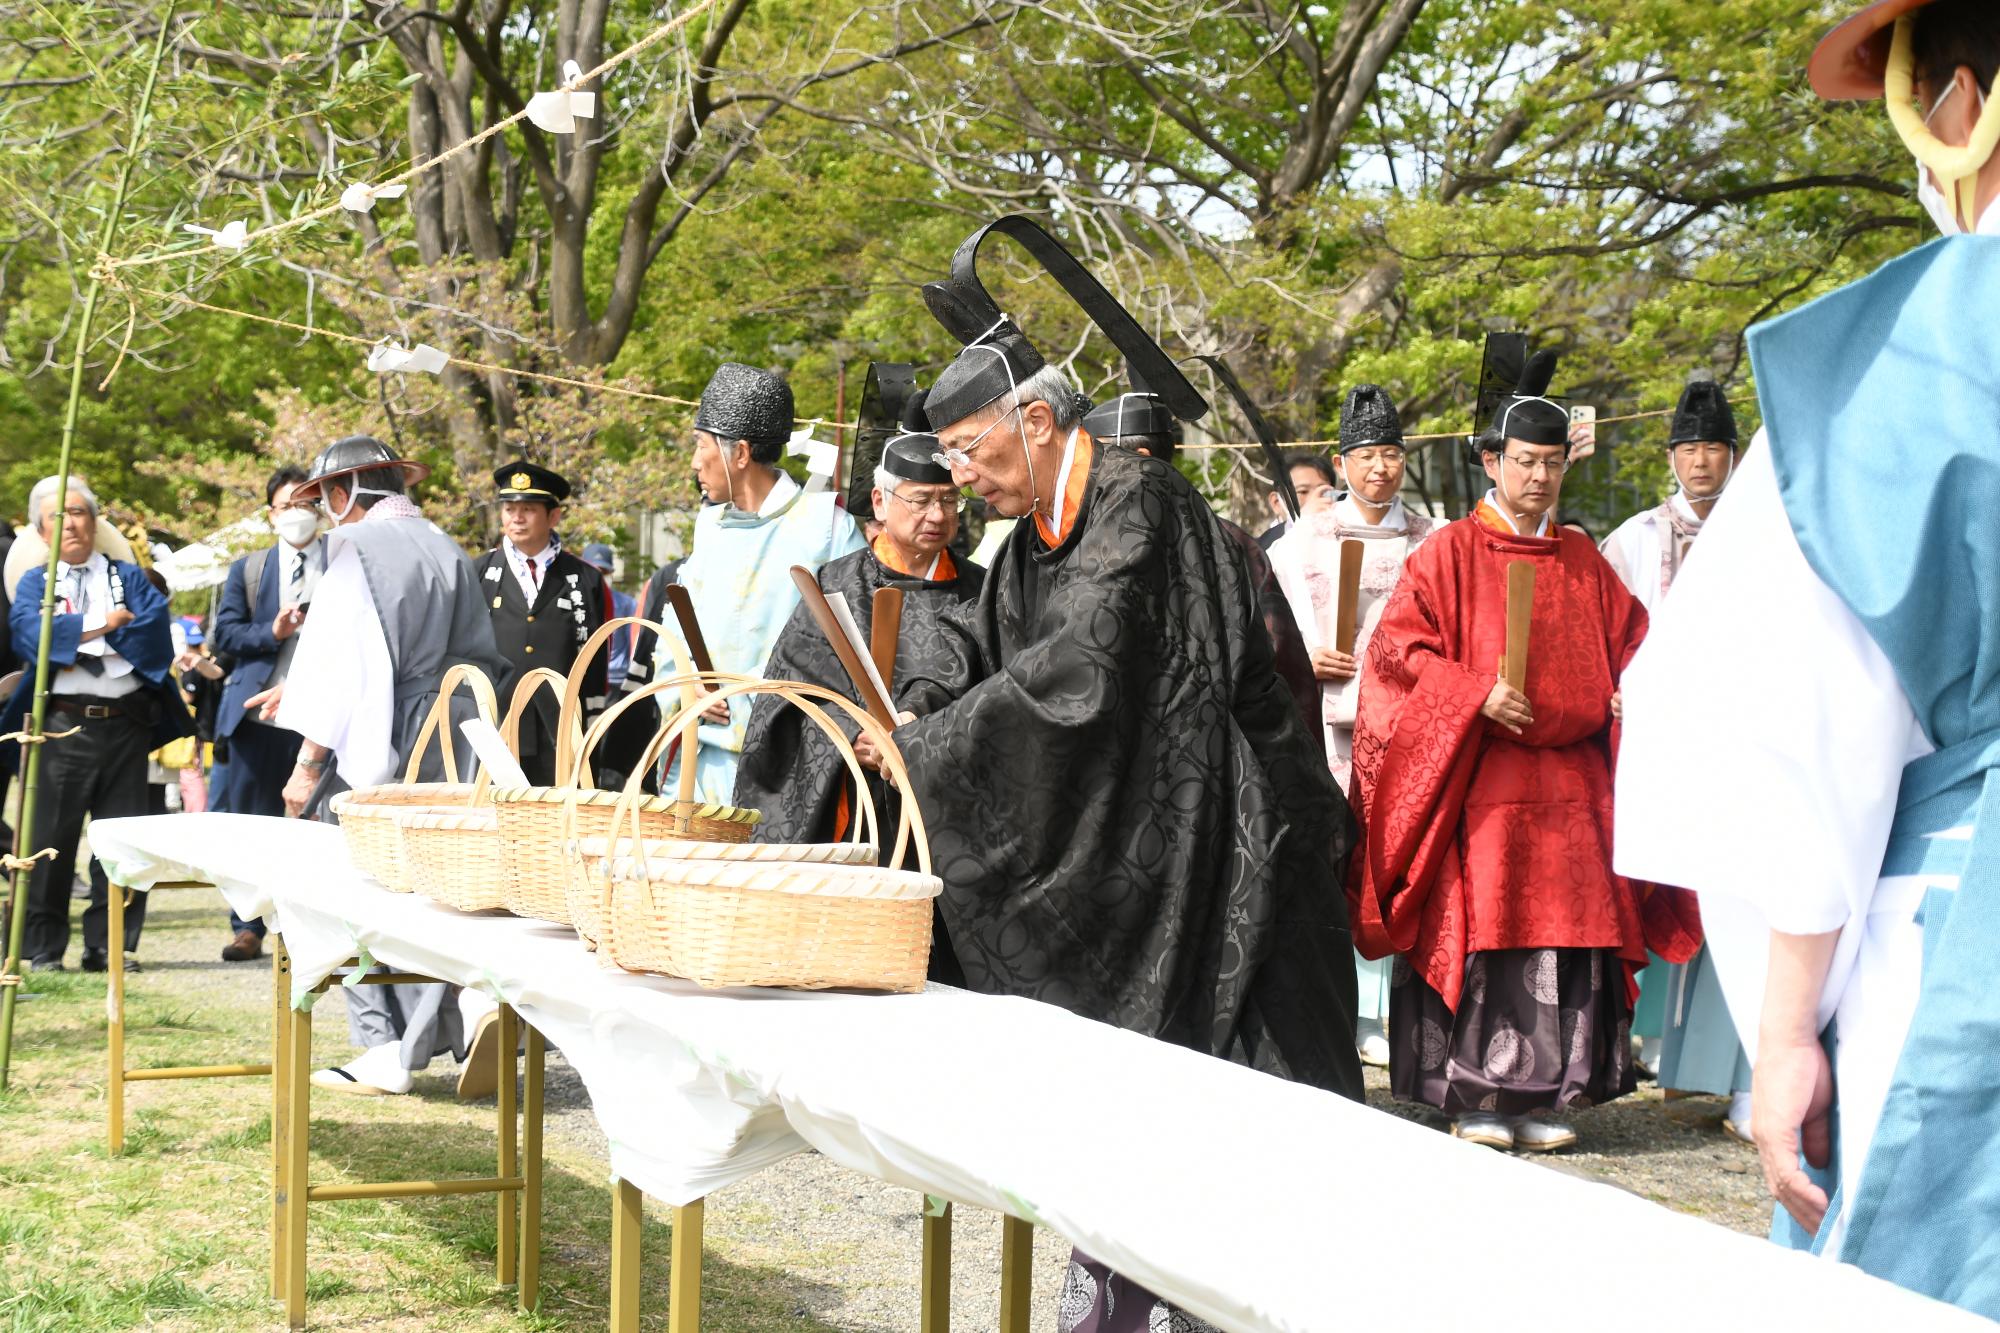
(1128, 815)
(790, 770)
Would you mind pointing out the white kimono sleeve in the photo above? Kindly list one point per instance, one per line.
(341, 691)
(1764, 743)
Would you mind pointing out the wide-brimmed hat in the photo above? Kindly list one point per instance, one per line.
(355, 453)
(1850, 62)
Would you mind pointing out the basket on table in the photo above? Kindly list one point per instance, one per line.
(586, 813)
(789, 918)
(368, 815)
(537, 824)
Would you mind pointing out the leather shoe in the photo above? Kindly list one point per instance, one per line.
(94, 960)
(247, 945)
(50, 964)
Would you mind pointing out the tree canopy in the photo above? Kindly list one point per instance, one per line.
(1322, 193)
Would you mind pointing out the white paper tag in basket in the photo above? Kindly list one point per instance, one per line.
(492, 751)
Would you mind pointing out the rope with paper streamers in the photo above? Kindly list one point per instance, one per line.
(237, 236)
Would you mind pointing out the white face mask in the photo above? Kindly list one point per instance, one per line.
(1944, 212)
(296, 526)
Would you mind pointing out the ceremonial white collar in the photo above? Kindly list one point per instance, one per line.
(1493, 503)
(1348, 513)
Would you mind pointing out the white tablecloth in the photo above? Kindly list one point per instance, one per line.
(1255, 1203)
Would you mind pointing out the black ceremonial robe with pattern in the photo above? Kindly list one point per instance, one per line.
(790, 771)
(1127, 813)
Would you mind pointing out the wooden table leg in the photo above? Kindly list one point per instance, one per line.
(1017, 1267)
(507, 1249)
(298, 1136)
(531, 1171)
(935, 1288)
(281, 1052)
(628, 1219)
(115, 1018)
(684, 1271)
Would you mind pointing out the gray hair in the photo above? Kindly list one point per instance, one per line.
(1047, 385)
(885, 481)
(46, 488)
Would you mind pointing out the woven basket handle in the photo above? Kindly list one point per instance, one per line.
(911, 820)
(569, 723)
(525, 689)
(800, 695)
(438, 722)
(600, 727)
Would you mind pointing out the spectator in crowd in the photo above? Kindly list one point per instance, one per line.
(1314, 481)
(1308, 563)
(110, 649)
(623, 605)
(257, 623)
(546, 603)
(397, 607)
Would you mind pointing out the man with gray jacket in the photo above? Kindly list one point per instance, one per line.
(398, 606)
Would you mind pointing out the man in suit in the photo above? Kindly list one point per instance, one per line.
(257, 623)
(545, 602)
(110, 649)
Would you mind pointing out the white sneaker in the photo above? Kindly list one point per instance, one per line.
(1488, 1131)
(1737, 1123)
(1532, 1135)
(1375, 1050)
(376, 1072)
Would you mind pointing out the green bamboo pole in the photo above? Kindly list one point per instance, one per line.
(32, 767)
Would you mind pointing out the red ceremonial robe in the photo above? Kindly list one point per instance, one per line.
(1476, 839)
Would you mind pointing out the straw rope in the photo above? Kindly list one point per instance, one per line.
(611, 62)
(12, 862)
(24, 738)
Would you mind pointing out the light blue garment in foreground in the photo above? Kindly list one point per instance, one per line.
(1882, 407)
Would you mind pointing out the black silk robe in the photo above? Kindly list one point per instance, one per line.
(789, 769)
(1129, 817)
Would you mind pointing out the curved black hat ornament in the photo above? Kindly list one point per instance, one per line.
(962, 305)
(885, 396)
(1274, 458)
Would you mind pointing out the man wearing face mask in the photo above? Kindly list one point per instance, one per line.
(1685, 1034)
(257, 624)
(760, 524)
(1308, 563)
(1853, 906)
(397, 606)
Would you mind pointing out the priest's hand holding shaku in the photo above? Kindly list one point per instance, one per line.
(1332, 664)
(1507, 705)
(868, 753)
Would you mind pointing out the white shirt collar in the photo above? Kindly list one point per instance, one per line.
(782, 491)
(1350, 516)
(542, 557)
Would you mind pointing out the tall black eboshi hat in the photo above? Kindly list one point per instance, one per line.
(1703, 414)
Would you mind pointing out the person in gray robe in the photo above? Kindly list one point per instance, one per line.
(398, 606)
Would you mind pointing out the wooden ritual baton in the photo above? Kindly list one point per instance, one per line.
(1350, 597)
(1520, 610)
(683, 605)
(843, 648)
(884, 628)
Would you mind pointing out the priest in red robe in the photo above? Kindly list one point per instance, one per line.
(1486, 858)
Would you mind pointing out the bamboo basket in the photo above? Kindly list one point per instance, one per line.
(368, 815)
(531, 878)
(454, 857)
(538, 823)
(800, 923)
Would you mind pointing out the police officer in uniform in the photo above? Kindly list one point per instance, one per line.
(545, 601)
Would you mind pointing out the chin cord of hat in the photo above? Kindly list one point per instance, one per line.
(1957, 166)
(1709, 499)
(353, 498)
(1014, 397)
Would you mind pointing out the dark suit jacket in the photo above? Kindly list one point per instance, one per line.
(147, 643)
(243, 632)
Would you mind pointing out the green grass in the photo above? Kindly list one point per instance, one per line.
(173, 1232)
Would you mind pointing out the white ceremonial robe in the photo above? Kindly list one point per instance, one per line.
(1634, 550)
(1307, 562)
(341, 691)
(1797, 732)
